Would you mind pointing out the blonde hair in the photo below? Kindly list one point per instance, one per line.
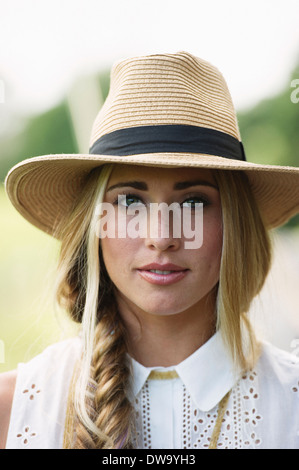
(245, 262)
(85, 290)
(102, 413)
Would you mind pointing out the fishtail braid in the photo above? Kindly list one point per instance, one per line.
(107, 402)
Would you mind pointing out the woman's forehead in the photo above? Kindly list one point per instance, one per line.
(122, 173)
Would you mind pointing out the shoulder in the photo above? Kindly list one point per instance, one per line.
(35, 394)
(281, 368)
(267, 400)
(279, 359)
(53, 361)
(7, 388)
(60, 351)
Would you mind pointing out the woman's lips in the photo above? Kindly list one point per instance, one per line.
(162, 274)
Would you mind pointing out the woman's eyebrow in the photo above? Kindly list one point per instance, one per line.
(132, 184)
(188, 184)
(142, 186)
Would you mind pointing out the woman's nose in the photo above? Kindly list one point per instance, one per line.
(162, 233)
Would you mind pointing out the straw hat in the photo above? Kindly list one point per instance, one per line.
(165, 110)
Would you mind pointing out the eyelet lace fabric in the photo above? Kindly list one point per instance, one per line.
(247, 421)
(262, 411)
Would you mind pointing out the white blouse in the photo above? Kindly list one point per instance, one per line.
(176, 407)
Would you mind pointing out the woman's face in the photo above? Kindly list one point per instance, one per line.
(155, 272)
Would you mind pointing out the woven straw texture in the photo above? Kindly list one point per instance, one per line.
(152, 90)
(170, 89)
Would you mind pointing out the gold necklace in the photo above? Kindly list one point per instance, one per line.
(220, 414)
(172, 374)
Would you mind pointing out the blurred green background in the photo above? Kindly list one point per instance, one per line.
(28, 321)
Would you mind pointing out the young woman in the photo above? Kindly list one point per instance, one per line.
(166, 358)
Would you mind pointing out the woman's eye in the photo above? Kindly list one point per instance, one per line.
(129, 200)
(191, 202)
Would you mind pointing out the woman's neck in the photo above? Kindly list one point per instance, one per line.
(167, 340)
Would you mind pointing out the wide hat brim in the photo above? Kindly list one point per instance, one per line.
(44, 188)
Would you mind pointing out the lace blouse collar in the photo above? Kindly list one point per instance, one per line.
(208, 374)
